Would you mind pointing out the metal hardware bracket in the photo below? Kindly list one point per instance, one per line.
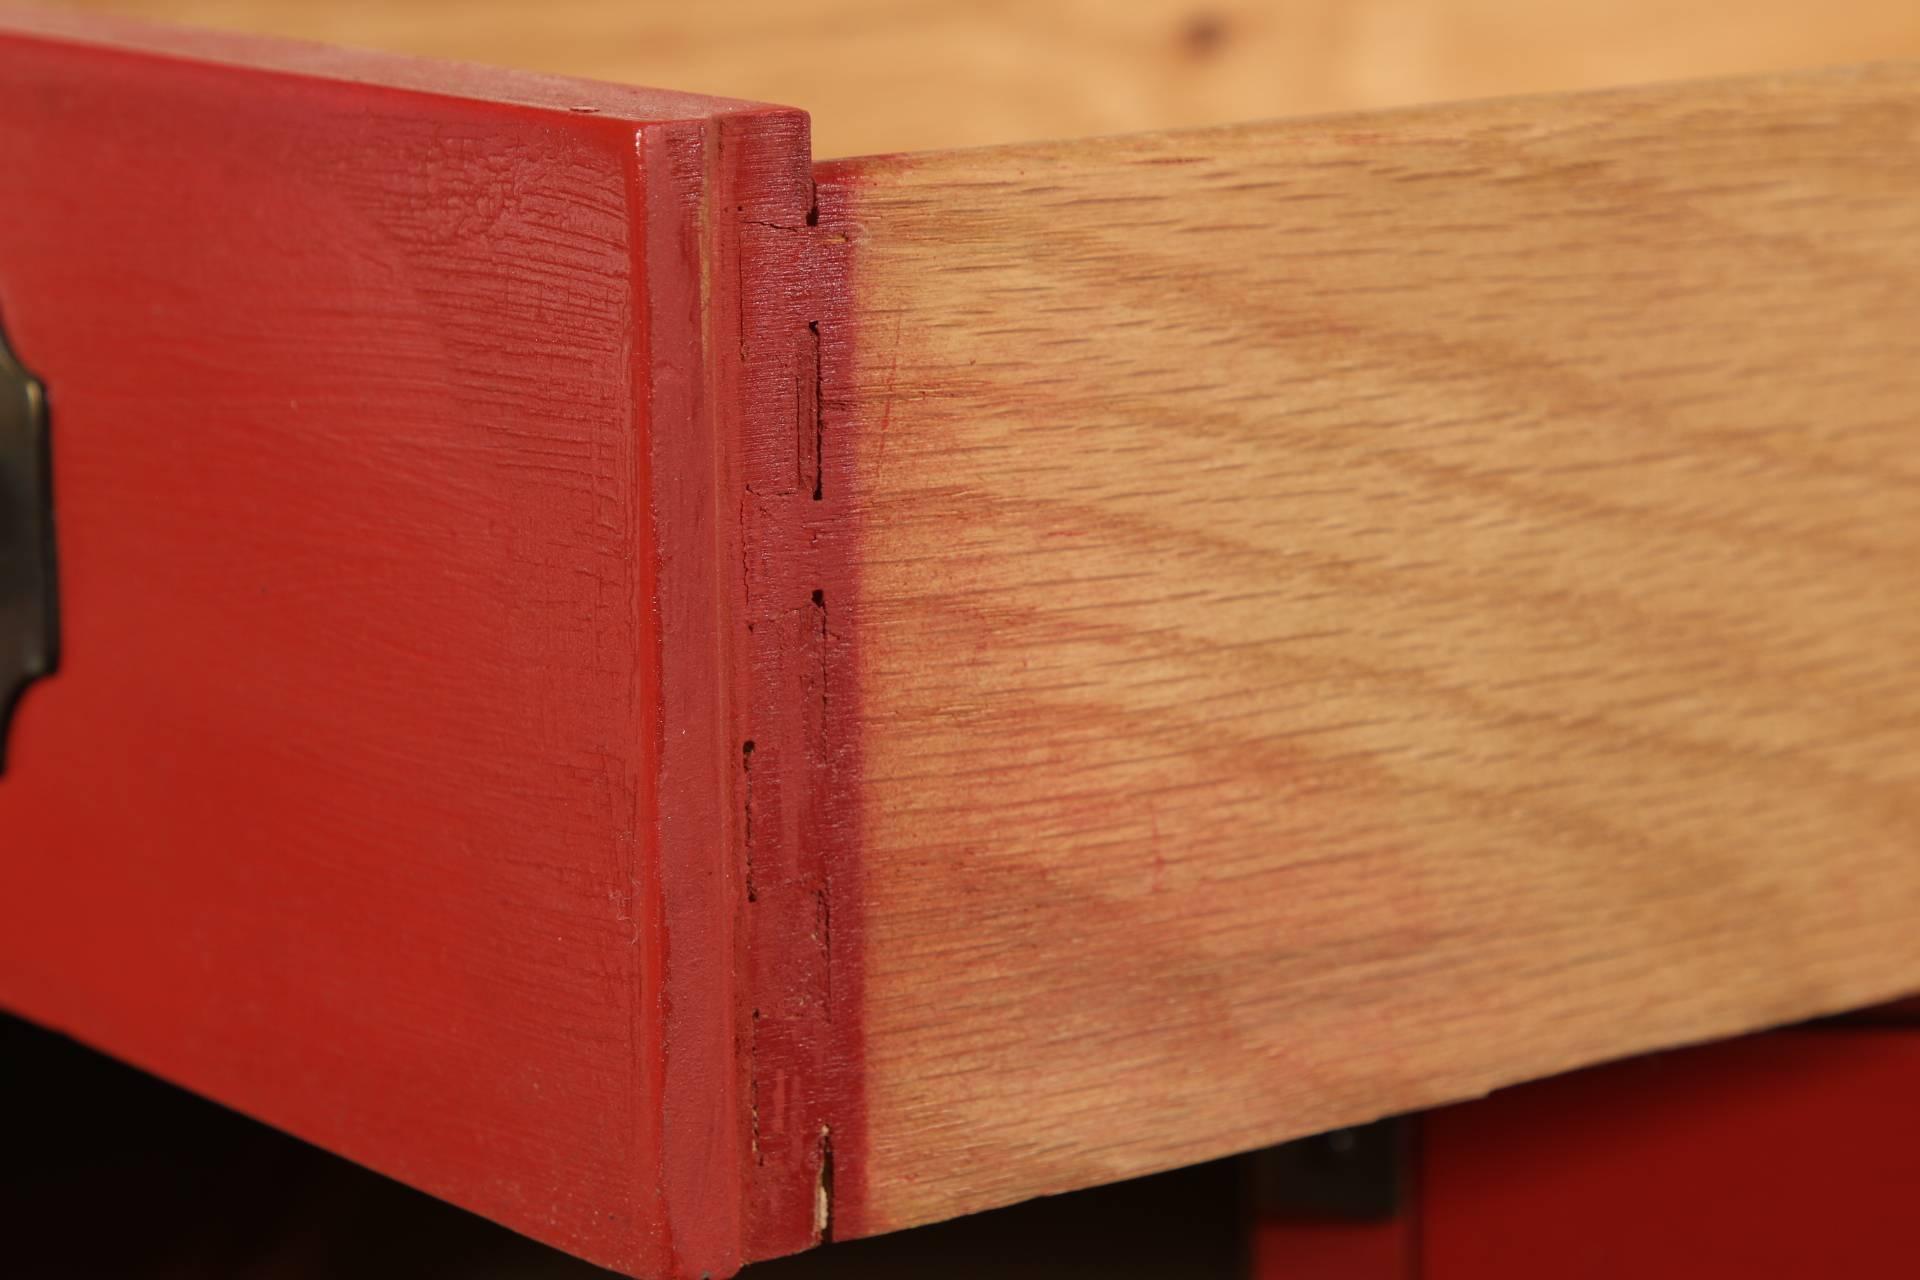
(29, 606)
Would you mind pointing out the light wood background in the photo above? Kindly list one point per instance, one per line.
(1357, 612)
(892, 75)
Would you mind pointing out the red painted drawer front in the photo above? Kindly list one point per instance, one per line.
(346, 805)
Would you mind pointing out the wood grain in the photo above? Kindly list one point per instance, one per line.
(890, 75)
(388, 789)
(1351, 613)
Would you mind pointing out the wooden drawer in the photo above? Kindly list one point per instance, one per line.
(695, 701)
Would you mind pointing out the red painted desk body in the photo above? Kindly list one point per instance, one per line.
(692, 714)
(1793, 1153)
